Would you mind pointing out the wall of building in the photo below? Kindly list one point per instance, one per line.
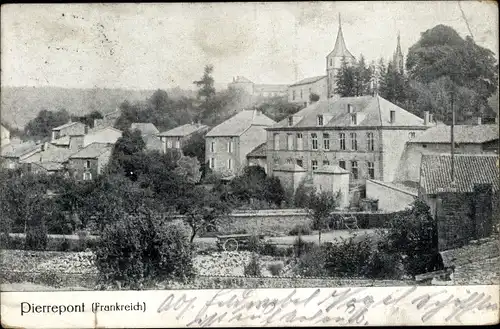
(247, 87)
(221, 154)
(319, 87)
(290, 180)
(102, 161)
(333, 183)
(76, 142)
(393, 146)
(389, 198)
(77, 168)
(102, 136)
(249, 140)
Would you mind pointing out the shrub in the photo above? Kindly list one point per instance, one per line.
(311, 263)
(275, 268)
(383, 265)
(346, 258)
(252, 268)
(300, 229)
(301, 247)
(36, 235)
(137, 249)
(254, 243)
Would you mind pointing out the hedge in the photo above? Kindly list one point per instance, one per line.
(59, 243)
(367, 220)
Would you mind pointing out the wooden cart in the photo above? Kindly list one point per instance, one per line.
(234, 242)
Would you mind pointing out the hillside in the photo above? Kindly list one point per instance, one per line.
(21, 104)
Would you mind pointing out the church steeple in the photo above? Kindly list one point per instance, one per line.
(398, 56)
(340, 48)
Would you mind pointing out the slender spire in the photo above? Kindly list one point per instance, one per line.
(340, 49)
(398, 47)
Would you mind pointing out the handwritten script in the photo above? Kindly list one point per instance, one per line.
(343, 306)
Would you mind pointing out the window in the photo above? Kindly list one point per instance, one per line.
(290, 121)
(371, 170)
(326, 141)
(354, 142)
(212, 147)
(424, 146)
(229, 163)
(293, 95)
(369, 141)
(87, 164)
(314, 164)
(288, 161)
(314, 141)
(354, 120)
(411, 134)
(320, 120)
(331, 62)
(301, 94)
(300, 141)
(354, 169)
(289, 142)
(300, 162)
(178, 143)
(349, 108)
(393, 116)
(87, 176)
(169, 143)
(212, 163)
(230, 146)
(342, 164)
(326, 163)
(342, 141)
(276, 139)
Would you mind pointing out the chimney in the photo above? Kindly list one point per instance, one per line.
(426, 118)
(479, 121)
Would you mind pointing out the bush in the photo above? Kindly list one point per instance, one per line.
(347, 258)
(252, 268)
(36, 236)
(254, 243)
(383, 265)
(311, 263)
(301, 247)
(300, 229)
(275, 268)
(138, 249)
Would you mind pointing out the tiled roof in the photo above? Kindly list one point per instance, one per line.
(66, 125)
(50, 166)
(184, 130)
(474, 134)
(92, 151)
(55, 154)
(331, 169)
(61, 141)
(16, 151)
(307, 81)
(435, 172)
(258, 152)
(99, 128)
(153, 142)
(372, 111)
(145, 128)
(239, 123)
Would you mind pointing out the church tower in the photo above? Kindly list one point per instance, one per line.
(398, 58)
(334, 60)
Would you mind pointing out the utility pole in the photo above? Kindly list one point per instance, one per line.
(452, 139)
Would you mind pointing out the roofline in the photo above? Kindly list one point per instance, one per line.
(307, 83)
(346, 128)
(448, 142)
(237, 135)
(71, 156)
(69, 124)
(381, 183)
(195, 131)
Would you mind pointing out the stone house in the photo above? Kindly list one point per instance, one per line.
(228, 143)
(364, 135)
(90, 161)
(300, 91)
(50, 159)
(469, 139)
(106, 135)
(13, 156)
(177, 137)
(69, 129)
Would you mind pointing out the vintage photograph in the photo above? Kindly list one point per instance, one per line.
(248, 145)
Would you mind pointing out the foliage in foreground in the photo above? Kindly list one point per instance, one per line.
(137, 249)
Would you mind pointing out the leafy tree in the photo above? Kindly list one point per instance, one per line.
(88, 119)
(36, 234)
(278, 108)
(126, 155)
(201, 208)
(140, 248)
(205, 85)
(41, 126)
(274, 191)
(313, 97)
(189, 169)
(195, 147)
(319, 206)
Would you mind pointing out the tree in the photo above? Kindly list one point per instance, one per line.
(88, 119)
(41, 126)
(274, 191)
(278, 108)
(189, 169)
(205, 85)
(345, 80)
(195, 147)
(313, 97)
(126, 155)
(319, 206)
(201, 208)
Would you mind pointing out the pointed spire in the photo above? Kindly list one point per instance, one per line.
(398, 47)
(340, 48)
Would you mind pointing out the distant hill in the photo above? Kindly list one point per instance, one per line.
(21, 104)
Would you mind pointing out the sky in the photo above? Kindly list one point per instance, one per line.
(151, 46)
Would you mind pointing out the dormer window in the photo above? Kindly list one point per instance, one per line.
(349, 108)
(290, 121)
(354, 119)
(392, 118)
(320, 120)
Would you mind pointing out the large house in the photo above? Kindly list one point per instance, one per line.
(90, 161)
(228, 144)
(364, 135)
(177, 137)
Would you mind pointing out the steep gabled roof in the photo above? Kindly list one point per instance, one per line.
(466, 134)
(66, 125)
(258, 152)
(239, 123)
(183, 131)
(374, 112)
(92, 151)
(470, 169)
(307, 81)
(16, 151)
